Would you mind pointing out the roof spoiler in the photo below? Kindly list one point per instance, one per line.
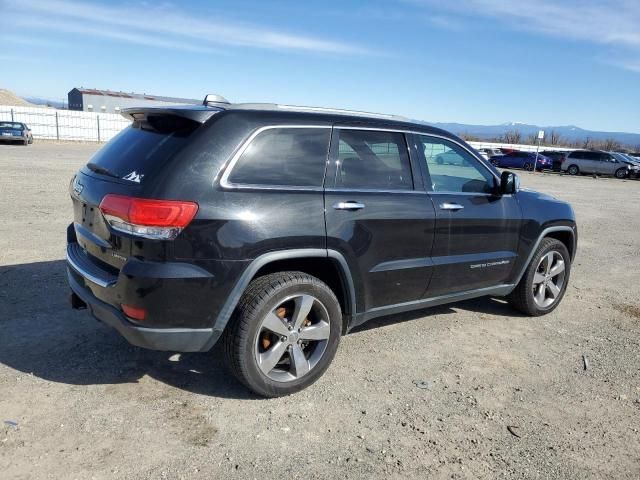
(196, 113)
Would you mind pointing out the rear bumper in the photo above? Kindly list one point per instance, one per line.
(165, 339)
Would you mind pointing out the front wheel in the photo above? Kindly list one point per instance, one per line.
(283, 334)
(621, 173)
(573, 170)
(528, 167)
(545, 281)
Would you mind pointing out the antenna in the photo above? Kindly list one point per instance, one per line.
(214, 99)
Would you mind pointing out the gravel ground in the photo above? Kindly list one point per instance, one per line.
(470, 390)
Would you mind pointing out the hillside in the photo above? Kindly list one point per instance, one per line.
(10, 99)
(570, 132)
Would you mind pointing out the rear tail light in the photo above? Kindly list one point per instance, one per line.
(155, 219)
(135, 313)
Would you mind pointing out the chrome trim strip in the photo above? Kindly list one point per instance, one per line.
(403, 264)
(224, 180)
(435, 135)
(372, 190)
(92, 278)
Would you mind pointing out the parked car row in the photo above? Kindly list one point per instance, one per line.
(576, 162)
(598, 162)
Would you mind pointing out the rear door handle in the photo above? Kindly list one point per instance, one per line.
(450, 206)
(349, 205)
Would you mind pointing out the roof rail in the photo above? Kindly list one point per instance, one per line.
(340, 111)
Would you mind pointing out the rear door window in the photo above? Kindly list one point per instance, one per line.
(370, 159)
(143, 147)
(284, 156)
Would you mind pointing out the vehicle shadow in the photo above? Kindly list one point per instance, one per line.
(42, 335)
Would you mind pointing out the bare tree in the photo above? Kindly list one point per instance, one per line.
(469, 137)
(554, 138)
(587, 143)
(512, 136)
(532, 139)
(610, 144)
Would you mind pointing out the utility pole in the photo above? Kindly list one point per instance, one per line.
(540, 137)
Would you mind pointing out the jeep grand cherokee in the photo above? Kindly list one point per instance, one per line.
(276, 229)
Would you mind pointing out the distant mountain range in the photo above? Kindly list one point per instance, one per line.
(483, 132)
(569, 132)
(46, 102)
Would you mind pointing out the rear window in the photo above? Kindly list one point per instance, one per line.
(294, 157)
(10, 126)
(143, 147)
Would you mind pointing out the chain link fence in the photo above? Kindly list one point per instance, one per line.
(53, 124)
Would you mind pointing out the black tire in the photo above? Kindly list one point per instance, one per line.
(621, 173)
(241, 334)
(528, 167)
(522, 297)
(573, 170)
(439, 160)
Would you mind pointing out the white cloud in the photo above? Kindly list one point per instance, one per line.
(164, 26)
(613, 23)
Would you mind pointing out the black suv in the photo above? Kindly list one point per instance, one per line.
(277, 229)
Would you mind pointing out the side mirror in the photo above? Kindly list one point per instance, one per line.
(509, 183)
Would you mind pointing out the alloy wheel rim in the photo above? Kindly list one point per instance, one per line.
(549, 279)
(292, 338)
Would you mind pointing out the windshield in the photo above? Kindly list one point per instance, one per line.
(620, 157)
(11, 125)
(143, 147)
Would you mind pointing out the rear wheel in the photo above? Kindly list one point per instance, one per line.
(284, 333)
(545, 281)
(573, 170)
(621, 173)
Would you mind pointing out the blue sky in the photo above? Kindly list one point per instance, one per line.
(546, 62)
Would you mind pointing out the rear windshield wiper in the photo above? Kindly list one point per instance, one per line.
(101, 170)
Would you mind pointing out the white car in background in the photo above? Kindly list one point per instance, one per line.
(487, 153)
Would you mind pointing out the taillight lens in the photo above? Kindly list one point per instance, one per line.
(155, 219)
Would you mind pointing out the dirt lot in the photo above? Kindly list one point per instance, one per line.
(85, 404)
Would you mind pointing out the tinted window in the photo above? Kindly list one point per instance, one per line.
(461, 173)
(144, 146)
(11, 125)
(577, 155)
(284, 156)
(373, 159)
(591, 156)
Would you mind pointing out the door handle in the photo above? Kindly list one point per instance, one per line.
(349, 205)
(451, 206)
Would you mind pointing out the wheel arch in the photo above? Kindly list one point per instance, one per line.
(564, 233)
(327, 265)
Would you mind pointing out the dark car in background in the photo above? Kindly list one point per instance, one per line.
(524, 160)
(277, 229)
(15, 132)
(557, 157)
